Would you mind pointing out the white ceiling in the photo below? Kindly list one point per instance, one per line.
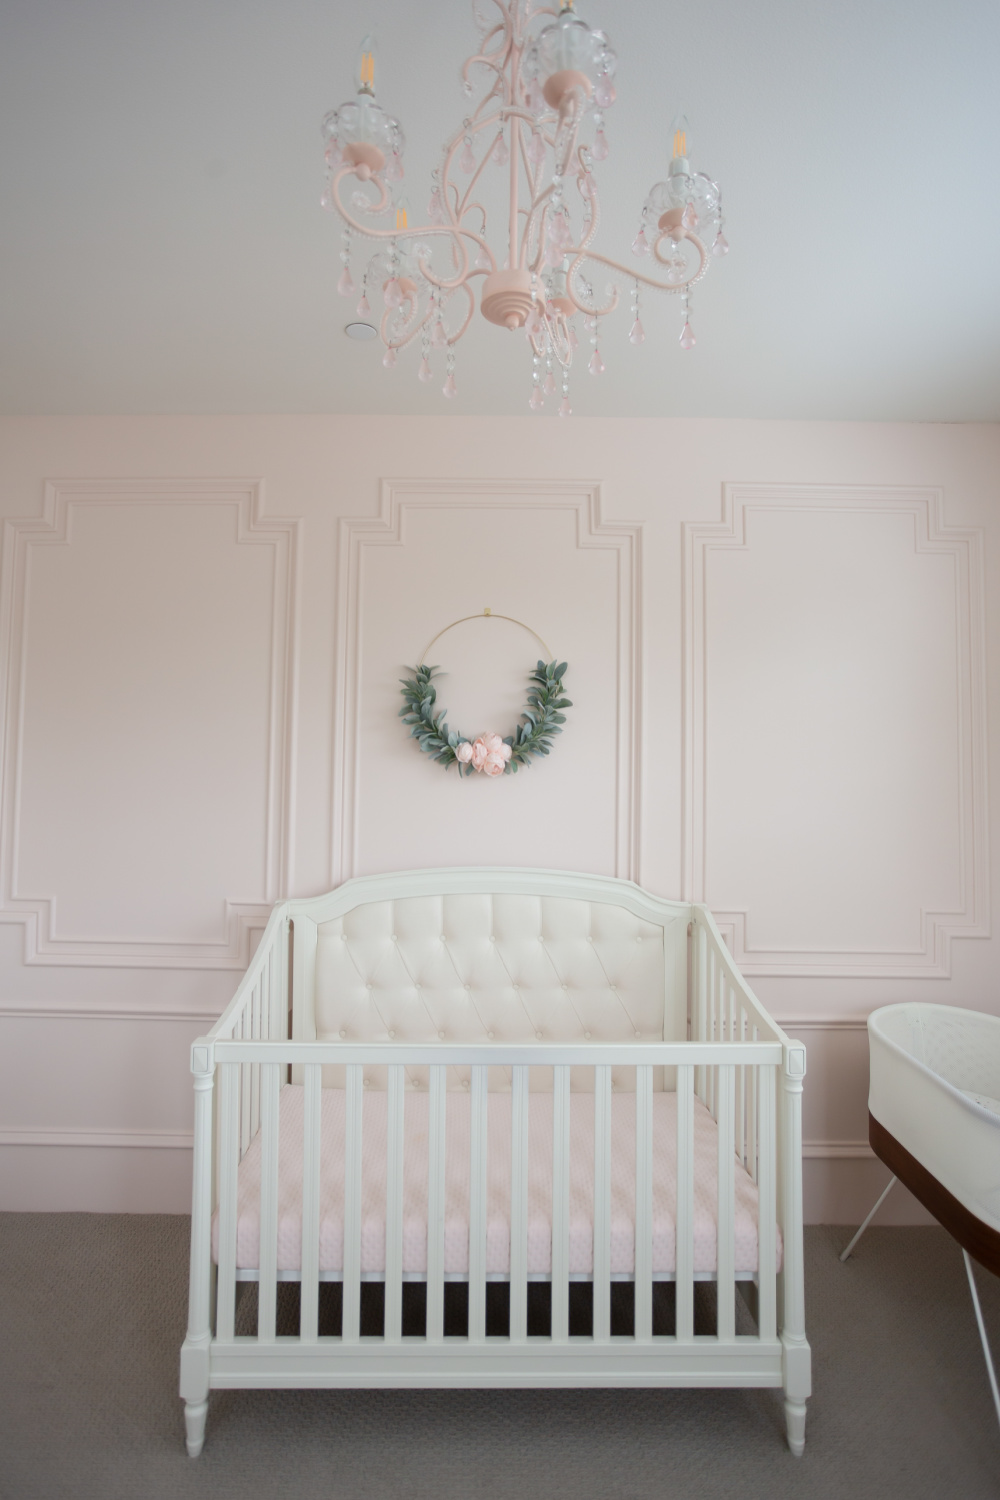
(163, 250)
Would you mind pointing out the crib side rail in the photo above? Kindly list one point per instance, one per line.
(724, 1059)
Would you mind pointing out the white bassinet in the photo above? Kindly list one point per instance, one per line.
(934, 1120)
(495, 1076)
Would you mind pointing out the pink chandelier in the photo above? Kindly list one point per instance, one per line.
(546, 80)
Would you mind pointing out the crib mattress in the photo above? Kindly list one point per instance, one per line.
(456, 1228)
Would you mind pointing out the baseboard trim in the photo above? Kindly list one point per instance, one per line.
(161, 1140)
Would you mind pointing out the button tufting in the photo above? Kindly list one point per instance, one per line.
(392, 1036)
(589, 938)
(638, 1032)
(367, 1082)
(538, 1036)
(395, 938)
(638, 939)
(342, 1035)
(440, 1036)
(465, 1083)
(490, 1035)
(369, 988)
(468, 986)
(492, 938)
(586, 1036)
(565, 986)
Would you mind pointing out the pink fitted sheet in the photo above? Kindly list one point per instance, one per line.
(456, 1229)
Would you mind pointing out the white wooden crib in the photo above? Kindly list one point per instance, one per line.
(476, 1076)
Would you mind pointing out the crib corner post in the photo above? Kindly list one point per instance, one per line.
(194, 1381)
(796, 1358)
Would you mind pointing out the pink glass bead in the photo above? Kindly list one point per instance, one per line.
(537, 400)
(689, 218)
(364, 307)
(536, 150)
(720, 245)
(326, 201)
(482, 261)
(687, 337)
(389, 358)
(596, 366)
(638, 333)
(467, 160)
(600, 146)
(394, 167)
(332, 155)
(500, 155)
(574, 342)
(640, 245)
(439, 338)
(345, 286)
(553, 253)
(425, 372)
(393, 293)
(604, 94)
(565, 410)
(550, 384)
(449, 390)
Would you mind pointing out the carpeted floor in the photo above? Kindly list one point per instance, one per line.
(92, 1316)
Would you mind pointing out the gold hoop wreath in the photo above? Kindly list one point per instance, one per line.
(490, 754)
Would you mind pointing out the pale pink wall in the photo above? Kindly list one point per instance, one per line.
(779, 647)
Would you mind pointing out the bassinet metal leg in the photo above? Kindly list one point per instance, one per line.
(884, 1195)
(982, 1332)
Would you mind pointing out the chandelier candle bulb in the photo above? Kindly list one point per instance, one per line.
(537, 87)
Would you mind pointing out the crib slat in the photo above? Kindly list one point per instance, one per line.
(229, 1149)
(246, 1086)
(643, 1203)
(394, 1205)
(255, 1031)
(560, 1202)
(477, 1207)
(437, 1104)
(519, 1104)
(767, 1295)
(602, 1202)
(270, 1085)
(353, 1098)
(702, 1012)
(311, 1121)
(685, 1203)
(726, 1247)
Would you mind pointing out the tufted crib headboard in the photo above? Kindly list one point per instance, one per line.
(488, 955)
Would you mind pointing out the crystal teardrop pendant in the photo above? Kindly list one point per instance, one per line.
(687, 337)
(536, 150)
(565, 410)
(467, 160)
(604, 94)
(364, 307)
(326, 201)
(637, 334)
(449, 390)
(549, 386)
(689, 218)
(389, 358)
(345, 286)
(439, 338)
(394, 168)
(574, 342)
(537, 400)
(500, 155)
(392, 293)
(596, 366)
(482, 261)
(600, 146)
(425, 372)
(720, 245)
(640, 245)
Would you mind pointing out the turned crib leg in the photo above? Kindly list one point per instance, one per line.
(795, 1425)
(195, 1413)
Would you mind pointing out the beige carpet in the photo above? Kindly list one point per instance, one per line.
(92, 1315)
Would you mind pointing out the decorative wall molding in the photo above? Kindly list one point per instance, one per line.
(158, 1140)
(84, 1011)
(966, 547)
(241, 919)
(399, 496)
(837, 1151)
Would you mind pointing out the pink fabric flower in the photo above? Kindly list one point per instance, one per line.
(490, 754)
(494, 764)
(493, 743)
(479, 753)
(463, 752)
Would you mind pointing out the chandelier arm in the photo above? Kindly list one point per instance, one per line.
(466, 288)
(410, 329)
(374, 208)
